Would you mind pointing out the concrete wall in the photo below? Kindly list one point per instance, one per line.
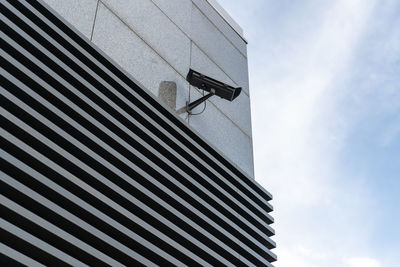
(159, 40)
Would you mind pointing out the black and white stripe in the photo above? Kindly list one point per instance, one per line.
(95, 171)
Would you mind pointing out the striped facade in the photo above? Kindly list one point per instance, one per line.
(95, 171)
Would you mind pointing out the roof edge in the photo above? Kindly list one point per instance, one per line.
(228, 19)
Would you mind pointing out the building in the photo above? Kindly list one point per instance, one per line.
(98, 168)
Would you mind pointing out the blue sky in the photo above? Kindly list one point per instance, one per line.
(325, 95)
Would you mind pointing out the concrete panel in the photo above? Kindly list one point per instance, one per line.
(219, 49)
(222, 25)
(156, 29)
(178, 11)
(239, 109)
(217, 129)
(80, 13)
(120, 43)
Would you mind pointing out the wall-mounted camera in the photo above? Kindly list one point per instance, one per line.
(212, 86)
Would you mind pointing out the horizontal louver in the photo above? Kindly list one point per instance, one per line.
(96, 171)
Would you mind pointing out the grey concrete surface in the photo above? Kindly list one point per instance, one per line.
(218, 48)
(212, 14)
(223, 134)
(156, 29)
(135, 56)
(239, 109)
(80, 13)
(179, 11)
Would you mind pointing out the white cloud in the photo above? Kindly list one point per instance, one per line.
(363, 262)
(296, 129)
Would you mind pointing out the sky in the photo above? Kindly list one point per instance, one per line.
(325, 95)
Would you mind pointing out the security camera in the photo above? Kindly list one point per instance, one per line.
(211, 85)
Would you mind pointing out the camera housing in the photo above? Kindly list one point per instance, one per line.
(213, 86)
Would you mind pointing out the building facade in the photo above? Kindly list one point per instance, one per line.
(97, 168)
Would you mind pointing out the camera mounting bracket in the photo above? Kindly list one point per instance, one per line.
(192, 105)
